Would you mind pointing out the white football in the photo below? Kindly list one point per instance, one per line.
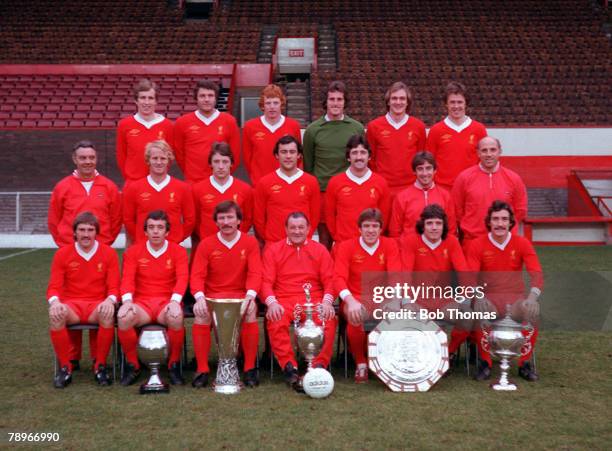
(318, 383)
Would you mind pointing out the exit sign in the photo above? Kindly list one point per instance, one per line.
(296, 53)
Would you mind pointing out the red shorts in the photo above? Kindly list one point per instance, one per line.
(83, 309)
(153, 307)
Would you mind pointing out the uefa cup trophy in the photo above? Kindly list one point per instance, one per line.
(226, 317)
(506, 340)
(153, 351)
(309, 335)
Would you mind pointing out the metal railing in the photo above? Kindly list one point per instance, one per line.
(600, 201)
(19, 201)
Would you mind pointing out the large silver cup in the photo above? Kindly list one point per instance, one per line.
(153, 352)
(506, 340)
(308, 334)
(226, 318)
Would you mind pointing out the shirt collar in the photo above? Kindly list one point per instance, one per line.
(221, 188)
(499, 246)
(75, 174)
(149, 124)
(289, 243)
(495, 169)
(272, 127)
(327, 119)
(207, 120)
(229, 244)
(369, 249)
(429, 244)
(359, 180)
(86, 255)
(288, 179)
(160, 252)
(418, 185)
(458, 128)
(397, 125)
(158, 186)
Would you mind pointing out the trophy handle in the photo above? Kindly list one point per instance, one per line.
(526, 348)
(297, 315)
(484, 341)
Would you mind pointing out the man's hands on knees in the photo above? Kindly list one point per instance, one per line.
(174, 310)
(354, 310)
(327, 311)
(275, 311)
(200, 309)
(127, 309)
(57, 312)
(106, 309)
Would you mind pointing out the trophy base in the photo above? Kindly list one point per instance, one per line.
(504, 387)
(227, 389)
(153, 389)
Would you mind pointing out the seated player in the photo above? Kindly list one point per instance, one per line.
(431, 254)
(83, 288)
(158, 191)
(350, 192)
(371, 252)
(285, 190)
(226, 265)
(221, 186)
(288, 265)
(409, 203)
(500, 256)
(155, 276)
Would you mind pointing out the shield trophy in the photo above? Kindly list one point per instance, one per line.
(506, 340)
(153, 351)
(226, 317)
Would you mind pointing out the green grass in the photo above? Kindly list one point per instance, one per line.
(568, 409)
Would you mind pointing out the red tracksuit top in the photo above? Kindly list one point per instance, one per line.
(221, 272)
(275, 198)
(345, 199)
(193, 140)
(69, 198)
(409, 204)
(140, 198)
(258, 143)
(352, 260)
(73, 278)
(147, 277)
(393, 149)
(133, 136)
(206, 196)
(474, 192)
(454, 150)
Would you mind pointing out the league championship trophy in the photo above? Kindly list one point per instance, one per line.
(506, 340)
(153, 351)
(317, 382)
(226, 317)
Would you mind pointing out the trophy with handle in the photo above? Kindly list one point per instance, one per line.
(226, 317)
(153, 351)
(507, 341)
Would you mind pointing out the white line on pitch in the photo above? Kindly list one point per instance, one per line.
(27, 251)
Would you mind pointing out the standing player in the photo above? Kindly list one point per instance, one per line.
(84, 190)
(221, 186)
(453, 140)
(288, 265)
(500, 256)
(83, 288)
(158, 191)
(155, 276)
(226, 265)
(324, 144)
(373, 253)
(395, 138)
(477, 187)
(409, 203)
(196, 132)
(261, 134)
(431, 254)
(283, 191)
(135, 132)
(350, 192)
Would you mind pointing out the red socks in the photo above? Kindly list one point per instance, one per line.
(105, 337)
(249, 341)
(61, 345)
(129, 341)
(201, 346)
(357, 343)
(176, 338)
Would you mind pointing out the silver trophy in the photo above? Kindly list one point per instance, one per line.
(308, 334)
(226, 318)
(506, 340)
(153, 352)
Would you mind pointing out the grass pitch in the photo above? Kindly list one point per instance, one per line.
(568, 409)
